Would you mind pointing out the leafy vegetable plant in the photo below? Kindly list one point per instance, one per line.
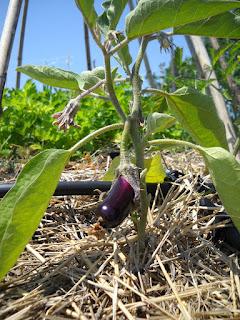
(26, 124)
(24, 205)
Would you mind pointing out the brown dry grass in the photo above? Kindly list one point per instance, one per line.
(67, 273)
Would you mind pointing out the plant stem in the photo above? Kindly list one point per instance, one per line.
(94, 134)
(98, 96)
(138, 142)
(154, 90)
(110, 88)
(170, 143)
(125, 143)
(121, 44)
(88, 91)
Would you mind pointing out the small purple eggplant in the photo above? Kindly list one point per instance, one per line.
(117, 205)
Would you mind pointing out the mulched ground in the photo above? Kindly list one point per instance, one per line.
(69, 270)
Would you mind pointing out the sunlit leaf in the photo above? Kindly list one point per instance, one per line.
(110, 17)
(24, 205)
(157, 122)
(88, 11)
(225, 172)
(87, 79)
(155, 170)
(114, 12)
(151, 16)
(226, 25)
(196, 112)
(123, 55)
(51, 76)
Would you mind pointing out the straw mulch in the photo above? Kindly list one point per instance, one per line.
(73, 270)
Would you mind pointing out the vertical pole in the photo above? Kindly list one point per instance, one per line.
(6, 41)
(87, 47)
(21, 42)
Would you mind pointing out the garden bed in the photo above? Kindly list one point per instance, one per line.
(73, 270)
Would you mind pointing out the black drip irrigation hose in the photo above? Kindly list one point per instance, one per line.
(67, 188)
(92, 187)
(229, 234)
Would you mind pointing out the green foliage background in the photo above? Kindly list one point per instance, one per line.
(26, 123)
(27, 119)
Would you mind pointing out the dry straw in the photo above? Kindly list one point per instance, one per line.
(66, 272)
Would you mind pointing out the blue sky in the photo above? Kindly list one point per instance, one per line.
(54, 36)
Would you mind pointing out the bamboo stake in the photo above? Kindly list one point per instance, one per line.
(21, 42)
(6, 41)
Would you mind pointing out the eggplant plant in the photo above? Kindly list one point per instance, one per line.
(24, 205)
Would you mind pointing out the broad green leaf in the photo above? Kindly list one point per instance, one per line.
(51, 76)
(225, 172)
(24, 205)
(160, 102)
(110, 17)
(196, 112)
(123, 55)
(103, 24)
(87, 79)
(88, 11)
(157, 122)
(65, 79)
(155, 170)
(151, 16)
(114, 12)
(226, 25)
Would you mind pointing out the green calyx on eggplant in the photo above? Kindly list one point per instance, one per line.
(118, 203)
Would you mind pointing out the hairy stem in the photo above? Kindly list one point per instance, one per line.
(171, 143)
(138, 142)
(125, 143)
(110, 88)
(94, 134)
(120, 45)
